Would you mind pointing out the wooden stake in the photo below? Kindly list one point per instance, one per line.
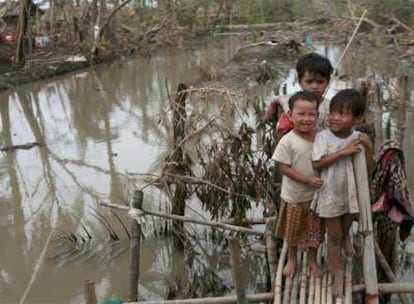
(134, 248)
(237, 270)
(89, 292)
(278, 279)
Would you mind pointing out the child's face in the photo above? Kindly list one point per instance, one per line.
(341, 121)
(313, 83)
(304, 115)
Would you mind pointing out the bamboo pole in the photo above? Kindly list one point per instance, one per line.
(348, 281)
(278, 279)
(252, 298)
(311, 292)
(188, 219)
(351, 39)
(318, 279)
(303, 279)
(287, 290)
(318, 289)
(329, 289)
(364, 201)
(338, 65)
(388, 288)
(249, 221)
(271, 249)
(295, 285)
(237, 270)
(259, 248)
(324, 288)
(89, 294)
(134, 248)
(388, 271)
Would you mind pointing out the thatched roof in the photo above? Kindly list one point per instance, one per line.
(11, 9)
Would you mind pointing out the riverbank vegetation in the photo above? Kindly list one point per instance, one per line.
(40, 39)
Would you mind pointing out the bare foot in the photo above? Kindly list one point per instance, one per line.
(316, 269)
(290, 269)
(349, 247)
(338, 284)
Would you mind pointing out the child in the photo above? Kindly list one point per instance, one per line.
(296, 223)
(336, 200)
(314, 72)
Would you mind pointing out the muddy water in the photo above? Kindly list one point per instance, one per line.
(93, 126)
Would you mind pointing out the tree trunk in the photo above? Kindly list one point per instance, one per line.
(96, 41)
(21, 31)
(52, 16)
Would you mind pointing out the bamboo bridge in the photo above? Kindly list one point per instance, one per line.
(302, 288)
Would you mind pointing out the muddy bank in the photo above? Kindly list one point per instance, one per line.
(267, 54)
(38, 72)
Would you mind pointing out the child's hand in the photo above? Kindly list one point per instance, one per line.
(366, 141)
(315, 182)
(353, 148)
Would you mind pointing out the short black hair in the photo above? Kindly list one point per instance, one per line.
(315, 64)
(303, 95)
(348, 98)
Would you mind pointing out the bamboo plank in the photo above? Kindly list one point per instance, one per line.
(348, 281)
(329, 289)
(278, 279)
(318, 280)
(287, 290)
(295, 285)
(303, 279)
(271, 249)
(311, 291)
(324, 288)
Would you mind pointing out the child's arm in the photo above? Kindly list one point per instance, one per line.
(312, 181)
(271, 111)
(328, 160)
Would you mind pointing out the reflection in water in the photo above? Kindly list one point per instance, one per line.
(94, 125)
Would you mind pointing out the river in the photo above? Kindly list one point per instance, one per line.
(92, 126)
